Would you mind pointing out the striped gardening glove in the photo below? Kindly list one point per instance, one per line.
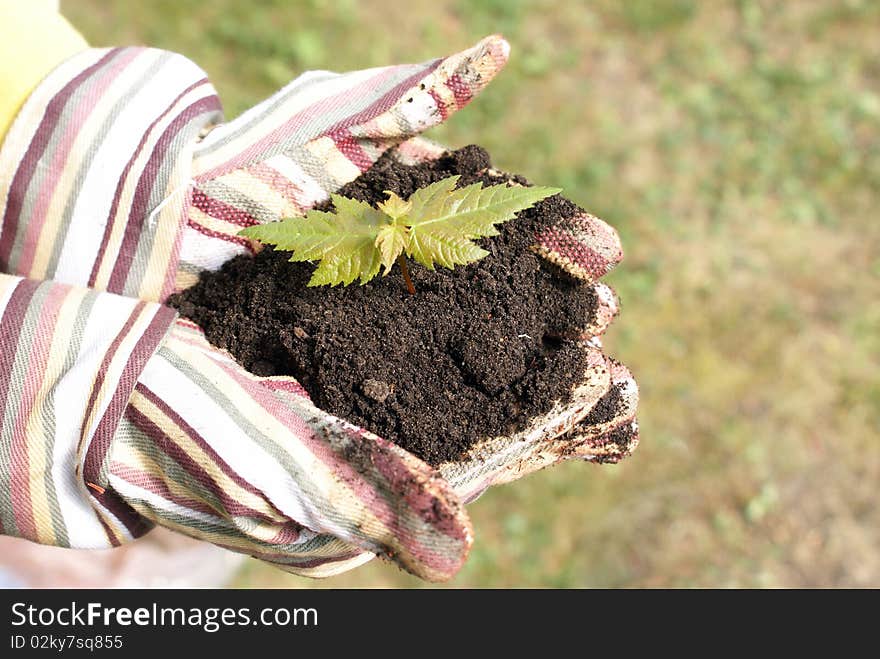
(118, 176)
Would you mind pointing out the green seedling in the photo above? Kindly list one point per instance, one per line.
(436, 225)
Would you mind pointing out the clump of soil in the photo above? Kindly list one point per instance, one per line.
(475, 353)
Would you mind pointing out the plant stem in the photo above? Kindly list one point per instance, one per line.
(401, 261)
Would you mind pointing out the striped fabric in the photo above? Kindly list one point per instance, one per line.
(70, 359)
(105, 184)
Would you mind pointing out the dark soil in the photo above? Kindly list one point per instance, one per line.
(606, 408)
(474, 353)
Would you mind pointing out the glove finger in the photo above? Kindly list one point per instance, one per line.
(384, 106)
(583, 246)
(449, 85)
(610, 431)
(598, 425)
(292, 484)
(314, 136)
(502, 459)
(419, 149)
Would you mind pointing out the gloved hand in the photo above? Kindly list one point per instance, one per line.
(116, 177)
(116, 415)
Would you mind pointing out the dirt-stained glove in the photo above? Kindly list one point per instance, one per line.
(250, 464)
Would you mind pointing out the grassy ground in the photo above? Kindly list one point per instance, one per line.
(736, 146)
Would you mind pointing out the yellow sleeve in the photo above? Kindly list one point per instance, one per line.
(34, 39)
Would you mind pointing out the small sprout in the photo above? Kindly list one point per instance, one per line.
(436, 225)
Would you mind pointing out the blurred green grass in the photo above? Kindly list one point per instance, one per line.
(736, 147)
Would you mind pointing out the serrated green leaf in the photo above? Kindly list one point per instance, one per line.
(351, 209)
(343, 241)
(308, 236)
(361, 263)
(428, 248)
(471, 211)
(391, 241)
(430, 195)
(443, 220)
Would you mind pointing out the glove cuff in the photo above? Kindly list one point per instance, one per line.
(70, 360)
(97, 167)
